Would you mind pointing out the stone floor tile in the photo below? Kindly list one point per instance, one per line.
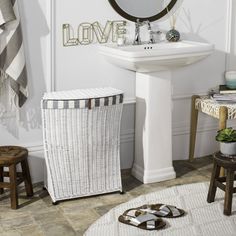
(130, 182)
(14, 223)
(156, 187)
(206, 170)
(80, 233)
(7, 213)
(59, 228)
(4, 198)
(38, 217)
(76, 205)
(47, 199)
(182, 169)
(80, 221)
(142, 189)
(48, 217)
(36, 207)
(11, 233)
(31, 230)
(200, 162)
(104, 209)
(113, 198)
(192, 179)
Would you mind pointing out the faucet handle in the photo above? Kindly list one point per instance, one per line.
(149, 25)
(156, 32)
(141, 23)
(138, 22)
(137, 39)
(152, 33)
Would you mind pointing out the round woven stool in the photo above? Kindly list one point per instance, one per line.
(10, 156)
(229, 164)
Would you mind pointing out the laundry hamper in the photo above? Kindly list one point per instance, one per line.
(81, 132)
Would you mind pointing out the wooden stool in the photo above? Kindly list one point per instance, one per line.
(10, 156)
(229, 164)
(211, 108)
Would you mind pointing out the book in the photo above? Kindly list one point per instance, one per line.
(226, 98)
(223, 89)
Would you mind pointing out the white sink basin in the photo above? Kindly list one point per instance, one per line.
(156, 57)
(153, 130)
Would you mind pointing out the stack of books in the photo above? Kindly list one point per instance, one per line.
(225, 95)
(223, 89)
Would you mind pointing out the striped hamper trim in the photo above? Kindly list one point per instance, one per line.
(82, 103)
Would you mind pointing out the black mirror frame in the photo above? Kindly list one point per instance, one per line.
(134, 18)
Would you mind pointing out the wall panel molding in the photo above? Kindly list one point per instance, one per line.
(185, 96)
(184, 128)
(175, 97)
(129, 101)
(126, 136)
(231, 34)
(37, 147)
(52, 25)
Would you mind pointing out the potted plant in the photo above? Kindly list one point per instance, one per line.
(227, 139)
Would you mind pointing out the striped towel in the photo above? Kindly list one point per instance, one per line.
(13, 76)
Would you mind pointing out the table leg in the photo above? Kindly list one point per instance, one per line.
(193, 128)
(229, 192)
(1, 179)
(223, 114)
(27, 178)
(13, 186)
(212, 188)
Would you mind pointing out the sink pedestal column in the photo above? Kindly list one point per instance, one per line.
(153, 132)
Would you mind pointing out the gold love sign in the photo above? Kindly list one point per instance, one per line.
(88, 33)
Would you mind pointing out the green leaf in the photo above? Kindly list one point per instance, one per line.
(226, 135)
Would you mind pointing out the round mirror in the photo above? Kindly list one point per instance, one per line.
(142, 9)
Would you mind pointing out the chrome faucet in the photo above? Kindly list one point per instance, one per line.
(137, 38)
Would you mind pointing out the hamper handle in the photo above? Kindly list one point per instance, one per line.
(90, 104)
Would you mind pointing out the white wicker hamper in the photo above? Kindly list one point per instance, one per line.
(81, 131)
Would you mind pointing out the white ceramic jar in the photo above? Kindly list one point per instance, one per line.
(230, 79)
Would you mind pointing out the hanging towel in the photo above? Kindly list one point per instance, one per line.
(13, 76)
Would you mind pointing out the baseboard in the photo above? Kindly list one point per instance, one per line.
(153, 176)
(34, 147)
(131, 100)
(126, 172)
(187, 96)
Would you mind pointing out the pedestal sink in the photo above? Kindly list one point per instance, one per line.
(153, 132)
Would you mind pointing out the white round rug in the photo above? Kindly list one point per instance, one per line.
(202, 218)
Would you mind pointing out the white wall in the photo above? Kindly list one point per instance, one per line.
(83, 67)
(196, 21)
(34, 16)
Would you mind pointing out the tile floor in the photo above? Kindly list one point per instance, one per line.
(37, 216)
